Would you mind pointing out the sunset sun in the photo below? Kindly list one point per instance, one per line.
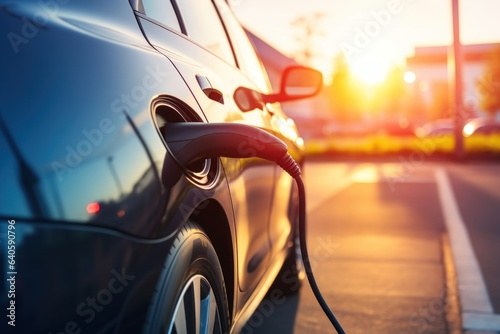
(369, 72)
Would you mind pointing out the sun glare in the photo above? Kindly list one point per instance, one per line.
(409, 77)
(371, 73)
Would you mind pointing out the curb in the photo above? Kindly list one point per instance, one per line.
(453, 313)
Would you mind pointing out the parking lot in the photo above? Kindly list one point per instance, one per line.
(382, 254)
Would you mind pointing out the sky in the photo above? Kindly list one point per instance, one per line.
(373, 34)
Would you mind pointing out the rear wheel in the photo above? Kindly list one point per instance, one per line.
(192, 297)
(196, 310)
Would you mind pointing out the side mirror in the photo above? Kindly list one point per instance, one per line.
(297, 82)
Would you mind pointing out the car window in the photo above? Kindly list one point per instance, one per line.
(203, 25)
(248, 60)
(161, 11)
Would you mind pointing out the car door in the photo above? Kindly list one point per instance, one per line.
(194, 39)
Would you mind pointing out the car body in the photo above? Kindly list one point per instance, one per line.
(472, 126)
(436, 128)
(106, 233)
(481, 126)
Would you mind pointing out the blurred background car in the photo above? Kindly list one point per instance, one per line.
(483, 126)
(437, 127)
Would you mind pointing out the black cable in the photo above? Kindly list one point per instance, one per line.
(291, 167)
(305, 258)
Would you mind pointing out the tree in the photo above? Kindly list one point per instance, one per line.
(307, 29)
(339, 91)
(392, 91)
(489, 83)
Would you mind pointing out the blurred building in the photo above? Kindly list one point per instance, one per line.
(430, 65)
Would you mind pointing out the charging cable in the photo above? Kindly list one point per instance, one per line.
(291, 167)
(189, 142)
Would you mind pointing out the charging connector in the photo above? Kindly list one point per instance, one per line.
(189, 142)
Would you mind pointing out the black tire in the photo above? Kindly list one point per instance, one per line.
(191, 281)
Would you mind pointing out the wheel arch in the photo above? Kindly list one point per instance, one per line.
(212, 218)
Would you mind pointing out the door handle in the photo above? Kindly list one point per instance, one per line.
(211, 92)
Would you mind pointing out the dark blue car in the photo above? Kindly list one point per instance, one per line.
(102, 231)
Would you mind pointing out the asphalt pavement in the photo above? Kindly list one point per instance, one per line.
(381, 249)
